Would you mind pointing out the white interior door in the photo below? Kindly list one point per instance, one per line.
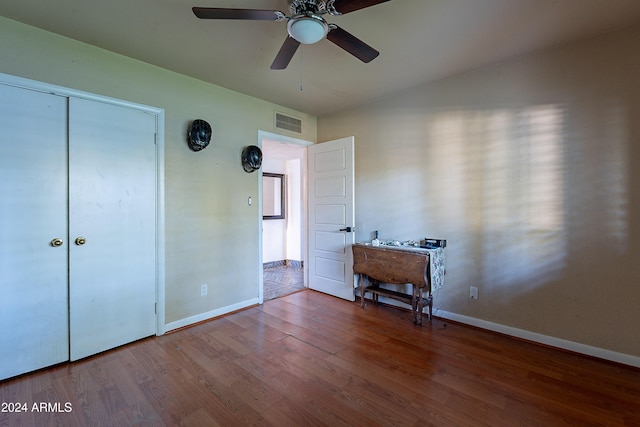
(33, 212)
(331, 217)
(112, 206)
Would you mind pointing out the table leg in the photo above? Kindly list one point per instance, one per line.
(420, 306)
(374, 295)
(414, 303)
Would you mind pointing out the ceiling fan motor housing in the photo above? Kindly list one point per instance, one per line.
(304, 7)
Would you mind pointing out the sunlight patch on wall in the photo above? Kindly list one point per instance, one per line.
(517, 188)
(523, 234)
(504, 181)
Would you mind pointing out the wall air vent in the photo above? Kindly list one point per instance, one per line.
(288, 123)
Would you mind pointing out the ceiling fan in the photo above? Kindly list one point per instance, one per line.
(305, 25)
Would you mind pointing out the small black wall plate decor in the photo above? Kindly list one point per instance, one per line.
(199, 135)
(251, 158)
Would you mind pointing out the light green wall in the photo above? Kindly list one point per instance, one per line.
(530, 168)
(211, 232)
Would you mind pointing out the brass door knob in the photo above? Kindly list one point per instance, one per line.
(80, 241)
(56, 242)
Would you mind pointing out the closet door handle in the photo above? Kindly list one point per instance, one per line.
(56, 242)
(80, 241)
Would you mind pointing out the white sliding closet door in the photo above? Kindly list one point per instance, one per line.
(33, 214)
(112, 209)
(77, 227)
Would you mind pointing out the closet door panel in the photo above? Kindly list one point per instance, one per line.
(112, 199)
(33, 212)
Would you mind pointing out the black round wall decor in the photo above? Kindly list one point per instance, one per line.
(199, 135)
(251, 158)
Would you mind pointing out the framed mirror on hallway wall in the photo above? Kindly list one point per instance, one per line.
(273, 195)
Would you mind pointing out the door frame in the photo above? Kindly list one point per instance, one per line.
(262, 135)
(29, 84)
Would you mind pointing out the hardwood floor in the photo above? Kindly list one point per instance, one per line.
(309, 359)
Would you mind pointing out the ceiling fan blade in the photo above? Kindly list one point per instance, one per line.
(223, 13)
(346, 6)
(285, 54)
(352, 44)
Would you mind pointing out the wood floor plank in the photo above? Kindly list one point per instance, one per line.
(395, 389)
(286, 413)
(318, 401)
(275, 322)
(198, 419)
(314, 360)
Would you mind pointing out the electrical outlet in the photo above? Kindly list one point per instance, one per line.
(473, 292)
(203, 290)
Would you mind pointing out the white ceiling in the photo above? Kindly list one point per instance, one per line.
(418, 40)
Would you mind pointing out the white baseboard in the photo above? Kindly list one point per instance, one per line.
(209, 315)
(588, 350)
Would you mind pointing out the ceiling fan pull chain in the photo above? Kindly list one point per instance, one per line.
(301, 73)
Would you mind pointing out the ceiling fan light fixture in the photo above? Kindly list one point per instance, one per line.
(307, 29)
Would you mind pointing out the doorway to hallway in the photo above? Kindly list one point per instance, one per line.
(283, 237)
